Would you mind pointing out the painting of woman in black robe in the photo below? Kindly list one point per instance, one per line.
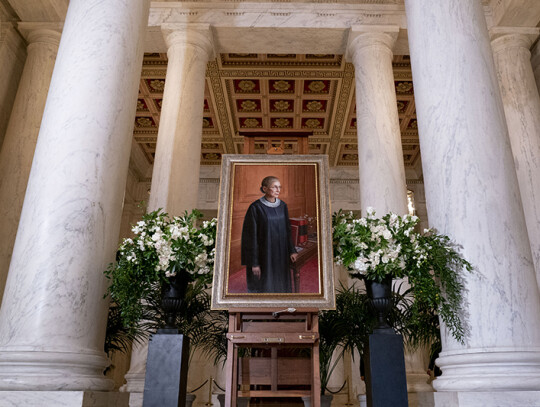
(267, 246)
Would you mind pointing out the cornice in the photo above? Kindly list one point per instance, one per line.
(297, 14)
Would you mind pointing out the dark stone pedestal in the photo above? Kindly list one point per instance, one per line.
(386, 383)
(166, 370)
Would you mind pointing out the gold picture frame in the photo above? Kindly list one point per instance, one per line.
(305, 189)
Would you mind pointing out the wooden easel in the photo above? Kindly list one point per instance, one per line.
(272, 376)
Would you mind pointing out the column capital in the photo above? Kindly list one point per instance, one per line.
(49, 33)
(198, 35)
(365, 36)
(513, 37)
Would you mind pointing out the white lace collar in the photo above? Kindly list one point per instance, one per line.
(270, 204)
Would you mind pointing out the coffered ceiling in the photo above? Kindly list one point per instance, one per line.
(277, 94)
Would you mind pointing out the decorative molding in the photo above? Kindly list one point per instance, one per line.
(354, 181)
(274, 73)
(220, 104)
(209, 180)
(341, 112)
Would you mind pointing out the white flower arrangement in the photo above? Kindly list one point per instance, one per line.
(161, 247)
(374, 248)
(160, 242)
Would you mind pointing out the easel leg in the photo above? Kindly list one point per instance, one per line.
(316, 384)
(234, 388)
(231, 372)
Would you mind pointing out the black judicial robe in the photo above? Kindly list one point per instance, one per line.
(267, 243)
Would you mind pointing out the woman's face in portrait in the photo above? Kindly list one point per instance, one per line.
(272, 191)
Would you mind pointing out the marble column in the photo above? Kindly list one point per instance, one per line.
(53, 315)
(380, 153)
(521, 101)
(13, 56)
(22, 132)
(175, 178)
(473, 196)
(535, 61)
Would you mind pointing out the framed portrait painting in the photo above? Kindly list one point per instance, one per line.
(274, 243)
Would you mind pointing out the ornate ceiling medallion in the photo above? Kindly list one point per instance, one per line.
(312, 123)
(282, 122)
(157, 85)
(145, 122)
(207, 123)
(247, 86)
(282, 105)
(281, 86)
(251, 122)
(404, 87)
(211, 156)
(248, 105)
(316, 86)
(314, 106)
(141, 106)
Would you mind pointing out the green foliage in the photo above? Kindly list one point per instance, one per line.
(372, 248)
(347, 328)
(212, 335)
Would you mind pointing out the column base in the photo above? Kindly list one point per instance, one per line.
(418, 382)
(474, 370)
(134, 382)
(44, 371)
(63, 399)
(135, 399)
(475, 399)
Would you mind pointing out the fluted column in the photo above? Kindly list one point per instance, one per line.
(511, 50)
(53, 315)
(380, 152)
(22, 132)
(175, 178)
(473, 196)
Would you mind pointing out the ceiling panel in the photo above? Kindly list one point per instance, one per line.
(277, 94)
